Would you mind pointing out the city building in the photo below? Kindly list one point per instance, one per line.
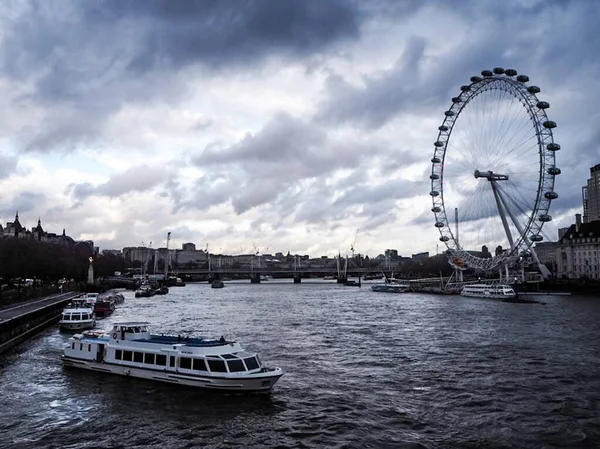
(591, 196)
(421, 256)
(546, 252)
(15, 229)
(578, 255)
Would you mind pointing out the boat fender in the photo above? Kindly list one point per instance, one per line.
(115, 335)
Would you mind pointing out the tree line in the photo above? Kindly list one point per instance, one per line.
(25, 258)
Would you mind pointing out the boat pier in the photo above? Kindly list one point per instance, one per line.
(21, 321)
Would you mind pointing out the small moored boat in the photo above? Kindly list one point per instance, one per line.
(493, 291)
(77, 315)
(390, 287)
(130, 350)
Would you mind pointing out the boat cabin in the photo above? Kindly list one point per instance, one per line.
(130, 331)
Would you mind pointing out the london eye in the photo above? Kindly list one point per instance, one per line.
(493, 171)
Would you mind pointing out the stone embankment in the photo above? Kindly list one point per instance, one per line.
(20, 322)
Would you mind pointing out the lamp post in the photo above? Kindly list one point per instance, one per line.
(90, 279)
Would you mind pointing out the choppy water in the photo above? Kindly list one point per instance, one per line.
(363, 370)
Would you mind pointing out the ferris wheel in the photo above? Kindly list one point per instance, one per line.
(494, 167)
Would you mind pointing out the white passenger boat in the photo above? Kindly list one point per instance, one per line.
(494, 291)
(390, 287)
(78, 315)
(91, 298)
(130, 350)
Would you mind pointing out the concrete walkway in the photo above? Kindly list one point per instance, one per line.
(15, 311)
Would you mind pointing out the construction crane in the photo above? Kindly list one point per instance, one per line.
(167, 258)
(354, 243)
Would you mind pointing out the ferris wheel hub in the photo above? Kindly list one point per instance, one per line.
(490, 175)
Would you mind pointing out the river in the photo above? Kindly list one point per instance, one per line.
(362, 370)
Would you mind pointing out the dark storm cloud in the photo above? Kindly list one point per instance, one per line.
(136, 179)
(85, 60)
(219, 34)
(555, 37)
(24, 202)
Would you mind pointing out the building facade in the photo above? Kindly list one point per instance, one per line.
(590, 196)
(578, 253)
(15, 229)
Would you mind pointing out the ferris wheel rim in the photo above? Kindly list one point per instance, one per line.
(536, 109)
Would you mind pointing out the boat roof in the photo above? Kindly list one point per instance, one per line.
(132, 323)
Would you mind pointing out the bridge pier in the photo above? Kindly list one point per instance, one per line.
(297, 278)
(255, 278)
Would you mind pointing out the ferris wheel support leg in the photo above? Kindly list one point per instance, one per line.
(545, 272)
(501, 210)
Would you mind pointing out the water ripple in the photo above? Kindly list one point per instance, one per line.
(363, 370)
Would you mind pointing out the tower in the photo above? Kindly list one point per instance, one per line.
(590, 196)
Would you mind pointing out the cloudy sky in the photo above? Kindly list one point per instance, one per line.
(285, 125)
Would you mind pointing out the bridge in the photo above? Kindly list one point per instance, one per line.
(297, 273)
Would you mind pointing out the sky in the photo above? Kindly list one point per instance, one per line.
(265, 125)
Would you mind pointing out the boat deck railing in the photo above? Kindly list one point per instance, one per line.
(194, 341)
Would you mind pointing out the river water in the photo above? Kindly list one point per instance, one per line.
(363, 370)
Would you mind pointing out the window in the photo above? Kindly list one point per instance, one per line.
(73, 345)
(127, 356)
(138, 357)
(161, 359)
(118, 354)
(235, 365)
(172, 362)
(228, 356)
(216, 366)
(149, 358)
(185, 363)
(81, 346)
(199, 365)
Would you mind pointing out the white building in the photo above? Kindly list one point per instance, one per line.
(578, 255)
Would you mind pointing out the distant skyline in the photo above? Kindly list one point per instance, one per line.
(282, 124)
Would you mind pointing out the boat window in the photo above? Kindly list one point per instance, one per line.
(66, 317)
(161, 359)
(251, 363)
(81, 346)
(235, 365)
(172, 361)
(136, 330)
(127, 356)
(118, 354)
(185, 363)
(89, 347)
(138, 357)
(228, 356)
(149, 358)
(199, 365)
(76, 316)
(216, 366)
(73, 345)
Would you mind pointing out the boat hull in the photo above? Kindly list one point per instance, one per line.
(259, 382)
(77, 325)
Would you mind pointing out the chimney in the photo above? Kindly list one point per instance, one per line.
(577, 222)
